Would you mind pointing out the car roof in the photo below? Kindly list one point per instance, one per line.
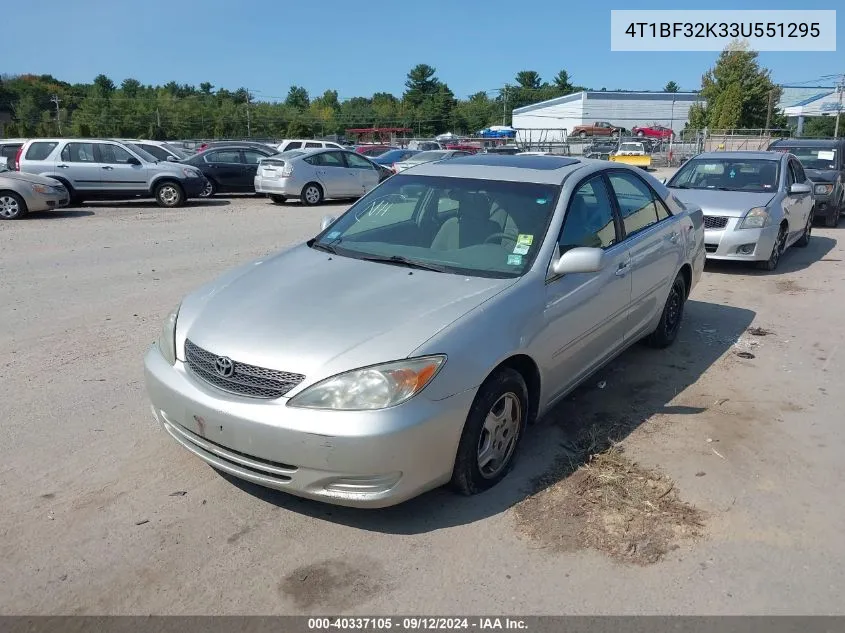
(746, 155)
(538, 169)
(12, 141)
(808, 142)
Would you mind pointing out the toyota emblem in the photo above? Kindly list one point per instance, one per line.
(224, 366)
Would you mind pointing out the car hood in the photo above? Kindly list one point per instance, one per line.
(821, 175)
(732, 204)
(31, 178)
(317, 314)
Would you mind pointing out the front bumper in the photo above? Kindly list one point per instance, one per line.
(193, 186)
(360, 459)
(46, 201)
(732, 243)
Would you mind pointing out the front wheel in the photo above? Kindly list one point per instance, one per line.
(673, 312)
(209, 190)
(12, 206)
(582, 134)
(312, 194)
(491, 433)
(169, 195)
(804, 240)
(777, 250)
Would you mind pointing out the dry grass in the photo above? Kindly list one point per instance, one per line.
(597, 498)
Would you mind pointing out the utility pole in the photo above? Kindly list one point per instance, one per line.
(248, 120)
(769, 110)
(55, 99)
(505, 106)
(839, 109)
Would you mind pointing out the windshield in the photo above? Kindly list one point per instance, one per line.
(394, 155)
(143, 153)
(728, 174)
(177, 150)
(484, 228)
(631, 147)
(428, 156)
(813, 157)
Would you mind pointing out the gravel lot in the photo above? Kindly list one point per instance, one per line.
(104, 513)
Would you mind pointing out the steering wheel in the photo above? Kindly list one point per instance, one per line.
(495, 236)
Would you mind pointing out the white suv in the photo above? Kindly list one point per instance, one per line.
(305, 143)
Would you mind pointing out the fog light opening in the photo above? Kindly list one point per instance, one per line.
(746, 249)
(363, 485)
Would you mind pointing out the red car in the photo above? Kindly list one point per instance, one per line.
(653, 131)
(373, 150)
(472, 149)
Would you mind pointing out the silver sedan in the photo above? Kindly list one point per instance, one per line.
(756, 204)
(410, 343)
(23, 193)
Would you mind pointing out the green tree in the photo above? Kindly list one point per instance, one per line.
(562, 83)
(671, 87)
(206, 87)
(420, 84)
(130, 87)
(297, 98)
(529, 79)
(103, 86)
(820, 126)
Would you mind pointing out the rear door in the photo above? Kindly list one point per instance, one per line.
(335, 178)
(653, 238)
(225, 167)
(796, 206)
(363, 171)
(79, 163)
(118, 172)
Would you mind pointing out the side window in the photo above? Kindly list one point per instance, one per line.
(79, 153)
(799, 171)
(311, 145)
(156, 151)
(9, 151)
(252, 157)
(636, 202)
(223, 156)
(790, 175)
(40, 150)
(113, 154)
(331, 159)
(589, 219)
(357, 162)
(292, 145)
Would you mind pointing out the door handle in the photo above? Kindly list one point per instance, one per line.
(622, 270)
(107, 167)
(62, 166)
(673, 237)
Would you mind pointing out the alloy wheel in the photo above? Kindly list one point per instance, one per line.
(169, 195)
(9, 207)
(499, 435)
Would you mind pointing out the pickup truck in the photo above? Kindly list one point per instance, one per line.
(599, 128)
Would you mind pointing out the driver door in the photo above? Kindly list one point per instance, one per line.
(796, 207)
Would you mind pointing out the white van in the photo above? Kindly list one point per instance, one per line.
(302, 143)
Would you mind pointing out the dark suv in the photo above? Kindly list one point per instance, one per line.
(824, 164)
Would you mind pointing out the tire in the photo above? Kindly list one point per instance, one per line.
(673, 314)
(12, 206)
(503, 391)
(804, 240)
(312, 194)
(277, 199)
(582, 134)
(832, 219)
(73, 196)
(771, 264)
(169, 195)
(210, 189)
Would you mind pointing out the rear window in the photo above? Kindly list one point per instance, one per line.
(40, 150)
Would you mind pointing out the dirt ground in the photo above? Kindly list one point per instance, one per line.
(716, 489)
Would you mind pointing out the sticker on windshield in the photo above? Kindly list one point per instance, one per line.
(541, 201)
(826, 154)
(514, 260)
(524, 240)
(521, 249)
(733, 173)
(333, 235)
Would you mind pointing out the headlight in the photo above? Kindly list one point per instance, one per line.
(376, 387)
(167, 338)
(756, 218)
(823, 189)
(191, 173)
(43, 189)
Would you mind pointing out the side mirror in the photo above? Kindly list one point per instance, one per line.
(579, 260)
(799, 188)
(172, 159)
(326, 222)
(132, 161)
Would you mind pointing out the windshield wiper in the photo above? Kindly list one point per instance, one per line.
(404, 261)
(324, 247)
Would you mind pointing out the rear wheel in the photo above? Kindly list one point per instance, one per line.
(169, 195)
(832, 219)
(12, 206)
(277, 198)
(312, 194)
(673, 313)
(777, 250)
(582, 134)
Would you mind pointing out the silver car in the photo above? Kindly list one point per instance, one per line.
(756, 204)
(428, 157)
(412, 340)
(313, 175)
(24, 193)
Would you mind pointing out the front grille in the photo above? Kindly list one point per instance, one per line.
(715, 222)
(246, 380)
(711, 248)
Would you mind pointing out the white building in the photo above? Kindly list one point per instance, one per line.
(825, 104)
(553, 119)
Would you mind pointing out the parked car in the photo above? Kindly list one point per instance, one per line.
(299, 143)
(229, 168)
(425, 157)
(824, 164)
(631, 148)
(9, 149)
(653, 131)
(390, 157)
(464, 147)
(24, 193)
(373, 150)
(424, 146)
(447, 310)
(161, 150)
(313, 175)
(109, 170)
(253, 144)
(756, 204)
(599, 128)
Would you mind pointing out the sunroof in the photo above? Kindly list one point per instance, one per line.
(515, 160)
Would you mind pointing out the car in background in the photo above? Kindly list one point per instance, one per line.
(390, 157)
(824, 163)
(755, 204)
(162, 150)
(255, 144)
(314, 175)
(298, 143)
(464, 147)
(105, 169)
(229, 168)
(653, 131)
(424, 146)
(373, 150)
(26, 193)
(427, 157)
(598, 128)
(446, 311)
(9, 150)
(631, 148)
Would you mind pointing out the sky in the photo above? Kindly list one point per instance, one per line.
(359, 48)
